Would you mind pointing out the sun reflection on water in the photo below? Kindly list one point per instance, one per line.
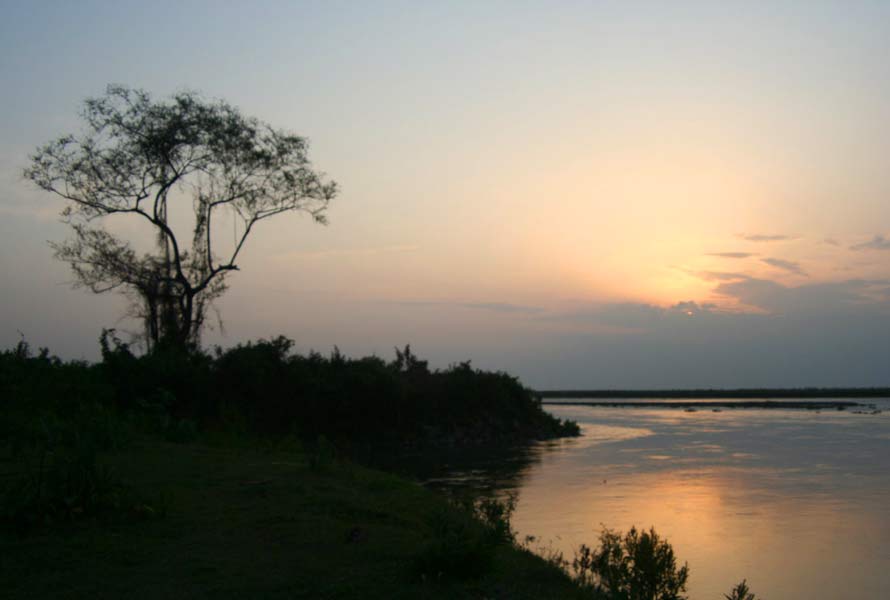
(793, 501)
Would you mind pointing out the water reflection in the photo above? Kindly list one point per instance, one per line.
(794, 501)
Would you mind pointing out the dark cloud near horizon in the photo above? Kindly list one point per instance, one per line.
(854, 296)
(879, 242)
(731, 254)
(633, 316)
(828, 334)
(785, 265)
(714, 350)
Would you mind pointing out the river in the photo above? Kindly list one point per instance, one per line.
(795, 501)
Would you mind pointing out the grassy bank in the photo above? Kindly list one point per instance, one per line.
(223, 521)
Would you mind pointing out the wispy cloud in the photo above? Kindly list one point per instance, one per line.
(879, 242)
(731, 254)
(339, 252)
(503, 307)
(785, 265)
(717, 275)
(831, 242)
(761, 237)
(499, 307)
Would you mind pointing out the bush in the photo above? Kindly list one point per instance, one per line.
(62, 479)
(262, 385)
(458, 549)
(634, 566)
(740, 592)
(496, 516)
(366, 400)
(463, 542)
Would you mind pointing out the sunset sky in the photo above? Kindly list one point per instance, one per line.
(584, 194)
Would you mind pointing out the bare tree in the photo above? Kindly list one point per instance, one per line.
(140, 157)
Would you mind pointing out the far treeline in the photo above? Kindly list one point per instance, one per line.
(807, 392)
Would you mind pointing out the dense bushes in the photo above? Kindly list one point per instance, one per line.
(365, 399)
(57, 417)
(265, 387)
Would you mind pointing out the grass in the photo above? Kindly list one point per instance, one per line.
(254, 522)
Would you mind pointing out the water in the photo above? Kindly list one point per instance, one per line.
(795, 501)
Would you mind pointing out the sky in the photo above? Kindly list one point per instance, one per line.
(584, 194)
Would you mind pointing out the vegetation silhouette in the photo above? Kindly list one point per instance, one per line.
(61, 420)
(638, 565)
(351, 401)
(88, 442)
(155, 160)
(269, 390)
(465, 547)
(740, 592)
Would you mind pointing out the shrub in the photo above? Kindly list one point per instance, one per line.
(463, 542)
(740, 592)
(458, 550)
(62, 479)
(633, 566)
(496, 516)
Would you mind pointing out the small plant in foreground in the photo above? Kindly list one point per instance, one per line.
(323, 456)
(64, 485)
(740, 592)
(632, 566)
(496, 515)
(464, 542)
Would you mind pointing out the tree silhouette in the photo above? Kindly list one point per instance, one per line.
(158, 159)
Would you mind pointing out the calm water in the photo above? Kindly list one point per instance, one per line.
(796, 501)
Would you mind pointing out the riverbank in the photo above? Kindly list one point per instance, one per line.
(717, 404)
(225, 521)
(764, 393)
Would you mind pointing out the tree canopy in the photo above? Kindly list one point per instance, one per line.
(141, 157)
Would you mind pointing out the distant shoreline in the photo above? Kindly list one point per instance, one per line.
(761, 393)
(691, 406)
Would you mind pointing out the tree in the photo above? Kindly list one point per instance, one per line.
(146, 159)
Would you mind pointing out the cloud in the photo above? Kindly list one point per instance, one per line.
(499, 307)
(785, 265)
(879, 242)
(502, 307)
(760, 237)
(634, 317)
(690, 308)
(831, 242)
(731, 254)
(717, 275)
(854, 296)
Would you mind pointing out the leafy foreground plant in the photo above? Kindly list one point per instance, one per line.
(463, 544)
(62, 481)
(740, 592)
(632, 566)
